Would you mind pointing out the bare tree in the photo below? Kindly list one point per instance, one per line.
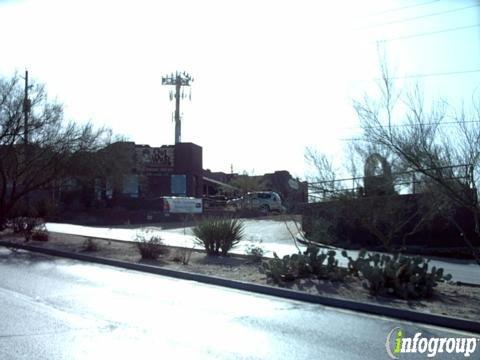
(386, 220)
(48, 154)
(324, 170)
(439, 144)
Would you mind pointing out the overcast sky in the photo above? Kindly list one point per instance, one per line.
(271, 77)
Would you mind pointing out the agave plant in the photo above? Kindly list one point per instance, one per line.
(219, 235)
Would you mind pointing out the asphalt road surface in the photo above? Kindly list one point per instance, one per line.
(55, 308)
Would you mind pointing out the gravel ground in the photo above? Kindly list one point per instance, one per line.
(449, 299)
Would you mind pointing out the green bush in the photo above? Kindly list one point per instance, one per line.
(218, 235)
(402, 276)
(151, 248)
(311, 263)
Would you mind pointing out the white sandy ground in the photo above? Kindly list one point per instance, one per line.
(270, 235)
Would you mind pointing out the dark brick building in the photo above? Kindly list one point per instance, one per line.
(168, 170)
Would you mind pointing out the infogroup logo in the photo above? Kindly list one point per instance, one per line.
(398, 343)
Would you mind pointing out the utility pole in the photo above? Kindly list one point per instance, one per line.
(27, 104)
(178, 80)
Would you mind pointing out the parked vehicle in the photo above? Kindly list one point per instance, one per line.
(262, 200)
(215, 202)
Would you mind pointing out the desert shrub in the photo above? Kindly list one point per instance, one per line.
(397, 275)
(182, 255)
(151, 248)
(18, 224)
(255, 251)
(312, 262)
(26, 226)
(40, 235)
(218, 235)
(90, 245)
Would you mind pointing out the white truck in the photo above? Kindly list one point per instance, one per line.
(265, 201)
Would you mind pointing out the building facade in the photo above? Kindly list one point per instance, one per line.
(152, 172)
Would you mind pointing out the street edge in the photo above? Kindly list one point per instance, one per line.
(401, 314)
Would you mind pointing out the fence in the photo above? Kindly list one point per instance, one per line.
(409, 182)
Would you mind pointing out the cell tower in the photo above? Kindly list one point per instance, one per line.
(178, 80)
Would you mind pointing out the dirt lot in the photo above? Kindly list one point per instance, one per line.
(449, 299)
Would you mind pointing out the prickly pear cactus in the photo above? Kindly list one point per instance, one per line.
(311, 263)
(402, 276)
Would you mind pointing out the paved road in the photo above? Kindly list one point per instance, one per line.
(63, 309)
(274, 236)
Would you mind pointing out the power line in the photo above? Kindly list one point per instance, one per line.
(436, 74)
(404, 7)
(424, 124)
(447, 73)
(410, 125)
(422, 16)
(430, 33)
(353, 139)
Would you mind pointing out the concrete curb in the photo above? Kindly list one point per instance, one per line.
(401, 314)
(461, 283)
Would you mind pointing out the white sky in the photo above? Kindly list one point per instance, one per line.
(271, 77)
